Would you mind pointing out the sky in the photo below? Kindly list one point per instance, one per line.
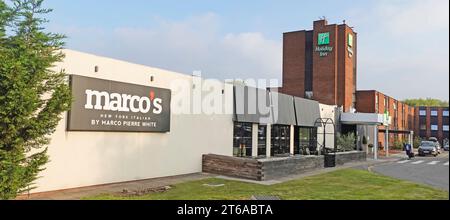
(403, 45)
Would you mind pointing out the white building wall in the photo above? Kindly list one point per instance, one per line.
(327, 111)
(81, 159)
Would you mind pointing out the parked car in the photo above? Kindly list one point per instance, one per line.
(436, 142)
(446, 147)
(428, 148)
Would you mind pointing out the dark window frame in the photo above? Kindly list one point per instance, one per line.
(280, 140)
(305, 142)
(242, 139)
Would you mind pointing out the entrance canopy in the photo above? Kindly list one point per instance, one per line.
(362, 119)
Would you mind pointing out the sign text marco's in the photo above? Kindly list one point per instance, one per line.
(103, 105)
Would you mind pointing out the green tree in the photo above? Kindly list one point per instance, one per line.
(417, 142)
(426, 102)
(32, 96)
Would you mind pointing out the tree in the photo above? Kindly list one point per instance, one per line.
(32, 96)
(426, 102)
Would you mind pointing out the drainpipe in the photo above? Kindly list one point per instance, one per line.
(387, 141)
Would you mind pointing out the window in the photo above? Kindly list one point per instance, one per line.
(423, 127)
(434, 127)
(434, 113)
(377, 103)
(262, 140)
(281, 140)
(305, 141)
(445, 128)
(423, 113)
(445, 113)
(242, 143)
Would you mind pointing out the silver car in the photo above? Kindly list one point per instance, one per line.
(436, 142)
(428, 148)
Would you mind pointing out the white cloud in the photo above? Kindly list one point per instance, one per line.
(403, 48)
(414, 17)
(195, 43)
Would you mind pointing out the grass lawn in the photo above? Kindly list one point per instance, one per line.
(346, 184)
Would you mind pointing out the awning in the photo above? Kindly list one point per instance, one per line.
(252, 105)
(362, 119)
(395, 131)
(283, 110)
(307, 112)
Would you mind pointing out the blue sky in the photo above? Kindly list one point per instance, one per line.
(403, 44)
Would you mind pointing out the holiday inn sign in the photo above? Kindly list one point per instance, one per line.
(324, 40)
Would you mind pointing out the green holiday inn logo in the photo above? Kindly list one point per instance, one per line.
(350, 40)
(324, 38)
(323, 41)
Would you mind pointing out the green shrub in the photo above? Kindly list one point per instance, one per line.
(346, 142)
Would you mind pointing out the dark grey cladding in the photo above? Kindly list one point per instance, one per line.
(108, 106)
(283, 110)
(252, 105)
(308, 111)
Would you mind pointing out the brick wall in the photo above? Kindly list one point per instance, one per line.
(294, 63)
(366, 101)
(333, 76)
(272, 168)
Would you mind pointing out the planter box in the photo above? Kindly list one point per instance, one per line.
(275, 168)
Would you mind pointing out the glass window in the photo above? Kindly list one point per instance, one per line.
(423, 113)
(262, 140)
(434, 127)
(281, 140)
(306, 141)
(445, 128)
(445, 113)
(377, 103)
(434, 113)
(423, 127)
(242, 144)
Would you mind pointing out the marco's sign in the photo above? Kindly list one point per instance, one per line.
(102, 105)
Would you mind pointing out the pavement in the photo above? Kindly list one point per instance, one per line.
(431, 171)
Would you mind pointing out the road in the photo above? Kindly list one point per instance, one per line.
(433, 171)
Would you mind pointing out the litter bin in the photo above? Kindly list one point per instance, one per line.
(330, 160)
